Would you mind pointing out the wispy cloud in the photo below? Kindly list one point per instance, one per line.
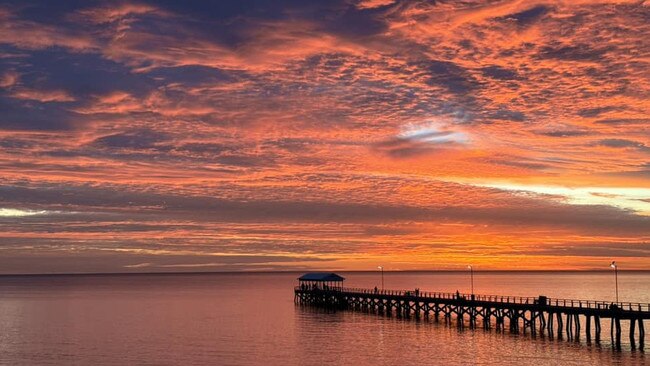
(43, 95)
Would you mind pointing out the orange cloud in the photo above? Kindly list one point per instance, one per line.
(371, 4)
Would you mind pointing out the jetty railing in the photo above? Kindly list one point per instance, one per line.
(523, 300)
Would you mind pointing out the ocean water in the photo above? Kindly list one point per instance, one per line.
(251, 319)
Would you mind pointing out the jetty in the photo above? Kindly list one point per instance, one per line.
(537, 315)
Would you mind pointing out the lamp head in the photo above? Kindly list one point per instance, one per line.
(613, 265)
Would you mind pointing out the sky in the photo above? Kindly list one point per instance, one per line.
(338, 135)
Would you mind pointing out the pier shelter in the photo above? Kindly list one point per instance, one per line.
(321, 281)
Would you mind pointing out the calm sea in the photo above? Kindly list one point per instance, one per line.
(250, 319)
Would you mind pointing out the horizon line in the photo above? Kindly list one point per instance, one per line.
(307, 271)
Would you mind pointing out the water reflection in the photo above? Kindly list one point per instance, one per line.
(371, 338)
(250, 319)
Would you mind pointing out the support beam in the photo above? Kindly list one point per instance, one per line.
(598, 327)
(632, 329)
(618, 332)
(641, 334)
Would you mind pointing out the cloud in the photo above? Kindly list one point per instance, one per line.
(623, 121)
(596, 111)
(420, 139)
(590, 206)
(528, 16)
(140, 139)
(623, 143)
(97, 261)
(603, 250)
(31, 35)
(44, 96)
(564, 133)
(451, 76)
(9, 79)
(499, 73)
(354, 131)
(371, 4)
(108, 14)
(48, 116)
(508, 115)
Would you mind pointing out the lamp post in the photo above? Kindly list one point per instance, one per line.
(471, 277)
(382, 277)
(613, 265)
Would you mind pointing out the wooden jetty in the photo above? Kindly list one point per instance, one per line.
(538, 315)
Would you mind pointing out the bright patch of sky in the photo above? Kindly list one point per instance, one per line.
(14, 212)
(636, 199)
(433, 133)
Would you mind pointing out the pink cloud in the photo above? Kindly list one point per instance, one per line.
(9, 79)
(108, 14)
(371, 4)
(43, 95)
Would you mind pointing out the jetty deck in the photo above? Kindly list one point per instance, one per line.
(539, 315)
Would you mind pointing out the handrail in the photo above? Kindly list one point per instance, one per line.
(589, 304)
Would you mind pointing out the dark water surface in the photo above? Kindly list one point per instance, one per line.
(250, 319)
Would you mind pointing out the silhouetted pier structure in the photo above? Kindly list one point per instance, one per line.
(538, 315)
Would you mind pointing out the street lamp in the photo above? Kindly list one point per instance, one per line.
(382, 277)
(613, 265)
(471, 276)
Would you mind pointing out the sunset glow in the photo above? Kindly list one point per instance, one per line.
(226, 136)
